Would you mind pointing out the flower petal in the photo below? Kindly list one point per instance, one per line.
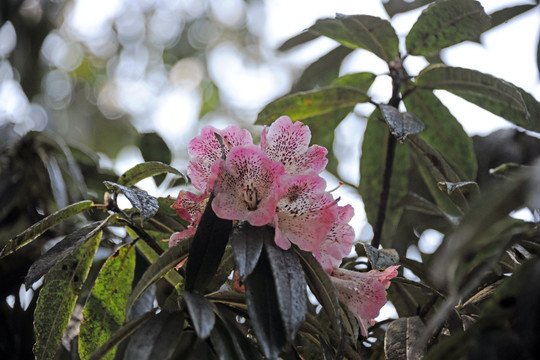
(247, 186)
(288, 143)
(205, 149)
(182, 235)
(190, 206)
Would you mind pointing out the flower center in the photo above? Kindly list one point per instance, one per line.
(251, 197)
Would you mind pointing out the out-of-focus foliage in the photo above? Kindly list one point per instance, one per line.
(79, 98)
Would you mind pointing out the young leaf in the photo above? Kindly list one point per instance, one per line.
(400, 339)
(62, 249)
(145, 170)
(57, 298)
(361, 31)
(307, 105)
(159, 268)
(442, 130)
(445, 23)
(290, 286)
(40, 227)
(146, 204)
(263, 309)
(247, 243)
(401, 124)
(201, 314)
(156, 338)
(207, 249)
(105, 309)
(493, 94)
(372, 162)
(120, 335)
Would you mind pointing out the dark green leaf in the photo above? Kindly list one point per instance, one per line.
(105, 309)
(154, 148)
(506, 170)
(401, 337)
(59, 251)
(401, 124)
(372, 162)
(156, 338)
(533, 106)
(146, 204)
(159, 268)
(380, 259)
(504, 15)
(493, 94)
(247, 243)
(442, 130)
(40, 227)
(120, 335)
(57, 298)
(415, 202)
(320, 284)
(207, 249)
(394, 7)
(263, 309)
(223, 271)
(58, 184)
(307, 105)
(445, 23)
(302, 38)
(145, 170)
(290, 286)
(201, 314)
(361, 31)
(361, 80)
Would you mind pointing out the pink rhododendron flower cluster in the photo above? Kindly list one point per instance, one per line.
(278, 183)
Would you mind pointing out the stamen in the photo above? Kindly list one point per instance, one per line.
(288, 167)
(251, 197)
(337, 187)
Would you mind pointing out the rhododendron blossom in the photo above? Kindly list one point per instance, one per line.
(190, 207)
(364, 293)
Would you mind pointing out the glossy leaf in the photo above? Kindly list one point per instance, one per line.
(502, 16)
(247, 242)
(201, 314)
(401, 124)
(361, 31)
(120, 335)
(264, 311)
(445, 23)
(140, 199)
(290, 286)
(57, 298)
(158, 269)
(401, 337)
(493, 94)
(145, 170)
(394, 7)
(154, 148)
(442, 130)
(307, 105)
(207, 249)
(372, 162)
(105, 309)
(156, 338)
(40, 227)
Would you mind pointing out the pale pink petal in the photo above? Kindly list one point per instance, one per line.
(363, 293)
(247, 186)
(288, 143)
(182, 235)
(301, 219)
(190, 206)
(205, 149)
(338, 241)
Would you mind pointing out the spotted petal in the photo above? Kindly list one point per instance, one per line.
(247, 186)
(190, 206)
(305, 214)
(288, 143)
(363, 293)
(205, 149)
(338, 241)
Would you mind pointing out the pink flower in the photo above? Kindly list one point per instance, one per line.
(305, 214)
(288, 143)
(363, 293)
(189, 207)
(338, 241)
(247, 185)
(205, 150)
